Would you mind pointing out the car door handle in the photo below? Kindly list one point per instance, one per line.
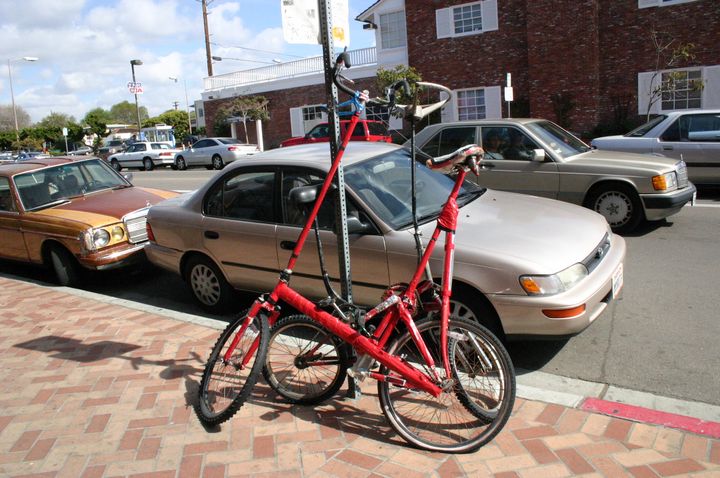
(668, 148)
(288, 245)
(212, 235)
(484, 165)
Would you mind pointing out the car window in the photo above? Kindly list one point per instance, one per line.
(319, 131)
(227, 141)
(247, 195)
(7, 202)
(644, 128)
(700, 127)
(203, 143)
(296, 214)
(519, 146)
(561, 142)
(377, 129)
(141, 147)
(449, 139)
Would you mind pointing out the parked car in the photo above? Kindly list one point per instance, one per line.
(7, 156)
(144, 155)
(690, 136)
(535, 156)
(239, 229)
(80, 150)
(213, 153)
(111, 147)
(71, 215)
(365, 130)
(29, 155)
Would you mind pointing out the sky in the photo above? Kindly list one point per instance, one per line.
(84, 48)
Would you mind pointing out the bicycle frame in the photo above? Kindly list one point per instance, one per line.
(395, 308)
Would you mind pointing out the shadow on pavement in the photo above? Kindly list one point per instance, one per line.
(530, 356)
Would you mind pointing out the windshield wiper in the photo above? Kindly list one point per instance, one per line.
(122, 186)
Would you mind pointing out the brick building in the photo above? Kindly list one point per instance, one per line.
(581, 62)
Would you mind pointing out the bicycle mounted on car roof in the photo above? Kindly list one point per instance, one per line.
(444, 385)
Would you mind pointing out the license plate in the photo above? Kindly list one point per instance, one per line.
(617, 280)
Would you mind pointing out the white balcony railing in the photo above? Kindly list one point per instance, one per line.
(291, 69)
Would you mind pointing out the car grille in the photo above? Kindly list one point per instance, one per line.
(598, 254)
(135, 223)
(682, 175)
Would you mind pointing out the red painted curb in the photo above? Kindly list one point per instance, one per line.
(655, 417)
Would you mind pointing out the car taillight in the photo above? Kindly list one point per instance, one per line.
(148, 229)
(166, 154)
(232, 148)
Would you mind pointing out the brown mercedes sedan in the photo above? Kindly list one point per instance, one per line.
(524, 266)
(70, 215)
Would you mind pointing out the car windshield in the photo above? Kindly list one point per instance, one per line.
(643, 129)
(383, 183)
(57, 184)
(561, 142)
(228, 141)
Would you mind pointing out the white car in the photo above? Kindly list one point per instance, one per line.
(692, 136)
(144, 155)
(214, 153)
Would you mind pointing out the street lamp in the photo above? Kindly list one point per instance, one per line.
(187, 104)
(137, 108)
(12, 93)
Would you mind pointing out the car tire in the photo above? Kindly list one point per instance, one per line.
(467, 303)
(619, 204)
(148, 164)
(217, 162)
(64, 266)
(116, 165)
(208, 285)
(180, 163)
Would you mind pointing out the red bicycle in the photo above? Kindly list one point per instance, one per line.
(444, 384)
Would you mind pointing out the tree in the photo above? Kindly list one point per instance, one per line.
(7, 121)
(97, 120)
(125, 113)
(246, 108)
(669, 54)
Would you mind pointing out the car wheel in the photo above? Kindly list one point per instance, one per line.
(619, 204)
(467, 304)
(217, 162)
(208, 284)
(65, 267)
(180, 163)
(148, 164)
(116, 165)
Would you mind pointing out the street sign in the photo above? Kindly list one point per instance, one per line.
(65, 132)
(135, 87)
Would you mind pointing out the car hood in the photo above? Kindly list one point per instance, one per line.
(529, 234)
(618, 159)
(106, 207)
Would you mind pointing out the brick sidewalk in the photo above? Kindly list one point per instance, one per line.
(91, 389)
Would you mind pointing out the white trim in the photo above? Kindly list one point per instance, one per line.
(445, 21)
(661, 3)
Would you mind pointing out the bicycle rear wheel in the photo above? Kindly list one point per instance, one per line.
(225, 385)
(305, 363)
(477, 399)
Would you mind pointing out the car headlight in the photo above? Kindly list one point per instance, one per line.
(96, 238)
(665, 182)
(118, 233)
(554, 283)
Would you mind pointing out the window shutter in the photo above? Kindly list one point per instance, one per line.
(449, 111)
(711, 88)
(296, 122)
(645, 85)
(489, 15)
(493, 102)
(444, 23)
(647, 3)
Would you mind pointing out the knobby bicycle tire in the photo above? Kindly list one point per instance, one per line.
(460, 419)
(225, 387)
(305, 363)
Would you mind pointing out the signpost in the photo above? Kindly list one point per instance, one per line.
(508, 92)
(65, 133)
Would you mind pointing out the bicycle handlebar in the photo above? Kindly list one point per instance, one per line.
(465, 157)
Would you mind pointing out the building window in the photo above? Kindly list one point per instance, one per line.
(311, 113)
(681, 90)
(467, 18)
(201, 113)
(471, 104)
(392, 30)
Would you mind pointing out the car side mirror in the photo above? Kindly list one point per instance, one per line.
(128, 177)
(356, 226)
(538, 155)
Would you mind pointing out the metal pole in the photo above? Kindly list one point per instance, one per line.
(12, 96)
(187, 106)
(208, 53)
(137, 107)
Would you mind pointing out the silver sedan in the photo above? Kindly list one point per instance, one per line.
(525, 266)
(534, 156)
(213, 153)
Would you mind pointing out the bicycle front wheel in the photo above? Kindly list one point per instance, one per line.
(477, 398)
(226, 384)
(305, 363)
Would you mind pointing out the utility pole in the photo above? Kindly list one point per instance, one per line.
(176, 104)
(208, 53)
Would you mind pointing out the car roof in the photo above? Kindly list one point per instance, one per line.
(34, 164)
(318, 154)
(493, 122)
(689, 112)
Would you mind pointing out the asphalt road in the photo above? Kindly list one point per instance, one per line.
(660, 337)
